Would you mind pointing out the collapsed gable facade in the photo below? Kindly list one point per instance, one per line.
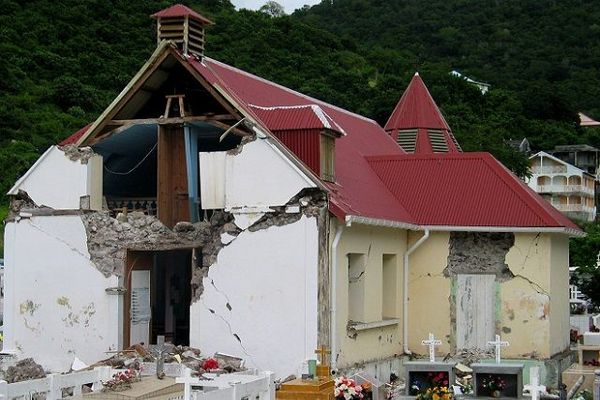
(236, 215)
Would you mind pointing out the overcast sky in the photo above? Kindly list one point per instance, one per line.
(289, 5)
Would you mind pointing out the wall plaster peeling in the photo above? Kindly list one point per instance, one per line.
(480, 253)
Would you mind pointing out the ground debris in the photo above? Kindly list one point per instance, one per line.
(24, 370)
(191, 357)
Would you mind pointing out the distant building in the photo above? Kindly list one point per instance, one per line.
(482, 86)
(521, 145)
(569, 189)
(586, 121)
(580, 155)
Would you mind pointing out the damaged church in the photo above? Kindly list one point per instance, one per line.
(232, 214)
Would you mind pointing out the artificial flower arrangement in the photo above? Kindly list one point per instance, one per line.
(348, 389)
(435, 393)
(121, 380)
(433, 380)
(210, 364)
(493, 383)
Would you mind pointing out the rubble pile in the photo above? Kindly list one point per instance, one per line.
(24, 370)
(134, 356)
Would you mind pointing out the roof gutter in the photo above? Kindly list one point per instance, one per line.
(405, 290)
(532, 229)
(355, 219)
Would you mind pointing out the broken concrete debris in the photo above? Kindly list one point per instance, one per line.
(134, 356)
(19, 202)
(24, 370)
(74, 153)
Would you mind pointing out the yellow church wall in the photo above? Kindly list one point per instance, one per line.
(531, 308)
(534, 304)
(429, 292)
(373, 343)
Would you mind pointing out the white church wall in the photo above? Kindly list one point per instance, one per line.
(57, 182)
(56, 306)
(260, 299)
(261, 176)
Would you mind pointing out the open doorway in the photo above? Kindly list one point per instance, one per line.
(158, 296)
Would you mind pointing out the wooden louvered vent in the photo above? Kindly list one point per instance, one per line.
(437, 140)
(407, 139)
(186, 32)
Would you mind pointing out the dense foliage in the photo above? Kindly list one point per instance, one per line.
(61, 63)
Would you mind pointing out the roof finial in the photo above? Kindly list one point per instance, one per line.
(417, 73)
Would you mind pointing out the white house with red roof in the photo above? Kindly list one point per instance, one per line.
(233, 214)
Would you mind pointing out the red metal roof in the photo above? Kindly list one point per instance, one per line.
(75, 137)
(375, 178)
(464, 189)
(179, 10)
(357, 190)
(417, 110)
(283, 118)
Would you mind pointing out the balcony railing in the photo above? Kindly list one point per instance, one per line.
(564, 189)
(575, 208)
(557, 169)
(147, 205)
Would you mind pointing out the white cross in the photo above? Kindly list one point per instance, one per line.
(534, 386)
(498, 344)
(432, 342)
(575, 292)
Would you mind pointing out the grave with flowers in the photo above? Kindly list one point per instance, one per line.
(498, 380)
(429, 379)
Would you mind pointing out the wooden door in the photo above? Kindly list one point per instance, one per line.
(172, 196)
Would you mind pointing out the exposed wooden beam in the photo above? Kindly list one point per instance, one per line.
(221, 125)
(173, 120)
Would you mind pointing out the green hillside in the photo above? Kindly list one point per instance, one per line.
(61, 62)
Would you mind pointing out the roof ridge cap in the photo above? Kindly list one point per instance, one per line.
(321, 102)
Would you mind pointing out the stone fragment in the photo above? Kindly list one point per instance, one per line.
(23, 370)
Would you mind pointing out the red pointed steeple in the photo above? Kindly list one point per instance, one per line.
(417, 124)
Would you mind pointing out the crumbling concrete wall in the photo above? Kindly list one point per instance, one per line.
(109, 238)
(479, 253)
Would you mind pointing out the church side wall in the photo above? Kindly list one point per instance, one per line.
(259, 300)
(529, 293)
(56, 307)
(429, 293)
(379, 246)
(525, 299)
